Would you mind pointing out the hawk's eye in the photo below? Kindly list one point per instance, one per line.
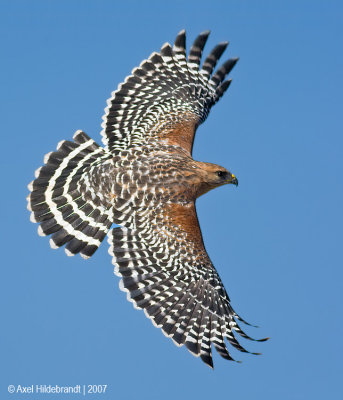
(221, 174)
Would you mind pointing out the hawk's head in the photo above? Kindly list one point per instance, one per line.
(211, 176)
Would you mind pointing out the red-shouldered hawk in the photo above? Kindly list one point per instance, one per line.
(146, 181)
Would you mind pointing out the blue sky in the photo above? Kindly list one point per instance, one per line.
(276, 240)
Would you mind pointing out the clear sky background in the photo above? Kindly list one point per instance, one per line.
(276, 240)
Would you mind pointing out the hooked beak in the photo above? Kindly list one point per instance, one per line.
(233, 180)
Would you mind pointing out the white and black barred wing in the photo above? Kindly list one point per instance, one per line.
(66, 197)
(166, 97)
(166, 271)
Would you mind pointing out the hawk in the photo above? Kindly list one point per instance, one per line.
(145, 181)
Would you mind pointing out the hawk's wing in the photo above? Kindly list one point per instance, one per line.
(166, 271)
(166, 97)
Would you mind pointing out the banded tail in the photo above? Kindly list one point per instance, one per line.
(63, 199)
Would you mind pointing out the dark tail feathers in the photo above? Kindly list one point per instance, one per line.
(58, 204)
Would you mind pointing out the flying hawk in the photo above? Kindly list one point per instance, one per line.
(145, 181)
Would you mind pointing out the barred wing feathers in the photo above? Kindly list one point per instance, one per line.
(166, 97)
(166, 271)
